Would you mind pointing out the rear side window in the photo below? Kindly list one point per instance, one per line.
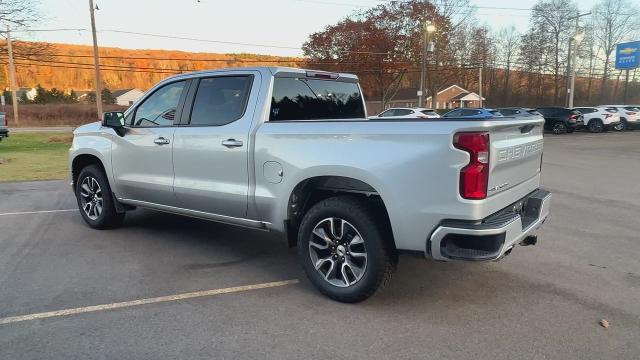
(509, 112)
(534, 112)
(496, 113)
(470, 112)
(403, 112)
(310, 99)
(612, 110)
(631, 108)
(429, 112)
(220, 100)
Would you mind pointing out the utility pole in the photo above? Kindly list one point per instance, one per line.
(572, 60)
(423, 67)
(96, 60)
(480, 83)
(626, 86)
(12, 78)
(428, 28)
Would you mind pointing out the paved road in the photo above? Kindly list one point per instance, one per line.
(542, 302)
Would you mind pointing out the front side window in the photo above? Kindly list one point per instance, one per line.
(220, 100)
(159, 109)
(390, 112)
(453, 113)
(310, 99)
(509, 112)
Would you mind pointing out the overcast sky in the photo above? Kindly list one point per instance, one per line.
(285, 24)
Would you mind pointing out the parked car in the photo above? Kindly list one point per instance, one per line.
(629, 117)
(304, 162)
(407, 113)
(598, 119)
(472, 113)
(4, 130)
(519, 112)
(560, 120)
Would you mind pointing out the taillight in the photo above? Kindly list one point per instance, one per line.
(573, 116)
(631, 113)
(474, 177)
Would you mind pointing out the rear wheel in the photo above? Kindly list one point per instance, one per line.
(343, 250)
(559, 128)
(596, 126)
(95, 199)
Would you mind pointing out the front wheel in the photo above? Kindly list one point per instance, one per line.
(343, 249)
(621, 126)
(596, 126)
(95, 200)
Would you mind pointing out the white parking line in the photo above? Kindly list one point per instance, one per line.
(118, 305)
(36, 212)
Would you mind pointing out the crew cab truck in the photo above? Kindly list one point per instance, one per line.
(292, 151)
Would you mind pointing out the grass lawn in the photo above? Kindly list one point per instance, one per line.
(34, 156)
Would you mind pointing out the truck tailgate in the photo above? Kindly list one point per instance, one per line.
(515, 153)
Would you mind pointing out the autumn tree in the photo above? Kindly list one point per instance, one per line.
(382, 45)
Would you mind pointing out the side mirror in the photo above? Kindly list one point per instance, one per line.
(114, 120)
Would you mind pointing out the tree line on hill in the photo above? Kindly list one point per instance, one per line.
(56, 96)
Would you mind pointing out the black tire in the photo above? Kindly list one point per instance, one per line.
(108, 217)
(570, 130)
(380, 255)
(559, 128)
(622, 126)
(596, 126)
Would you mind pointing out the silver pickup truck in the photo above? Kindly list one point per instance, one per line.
(291, 151)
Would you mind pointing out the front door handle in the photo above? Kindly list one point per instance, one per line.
(161, 141)
(231, 143)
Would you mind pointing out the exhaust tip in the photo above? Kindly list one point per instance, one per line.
(529, 240)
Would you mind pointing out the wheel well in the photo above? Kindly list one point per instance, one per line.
(82, 161)
(313, 190)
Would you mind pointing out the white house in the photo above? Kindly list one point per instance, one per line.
(126, 97)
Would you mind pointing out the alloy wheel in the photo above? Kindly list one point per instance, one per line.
(91, 197)
(595, 126)
(337, 252)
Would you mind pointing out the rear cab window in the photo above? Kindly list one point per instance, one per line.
(313, 99)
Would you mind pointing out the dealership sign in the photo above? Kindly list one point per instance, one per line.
(628, 55)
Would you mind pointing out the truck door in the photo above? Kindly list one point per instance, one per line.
(142, 158)
(211, 147)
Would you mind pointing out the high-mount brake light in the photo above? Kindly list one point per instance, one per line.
(322, 75)
(474, 177)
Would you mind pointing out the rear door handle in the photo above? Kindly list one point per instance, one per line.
(231, 143)
(161, 141)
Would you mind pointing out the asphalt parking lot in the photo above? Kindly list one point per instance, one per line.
(541, 302)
